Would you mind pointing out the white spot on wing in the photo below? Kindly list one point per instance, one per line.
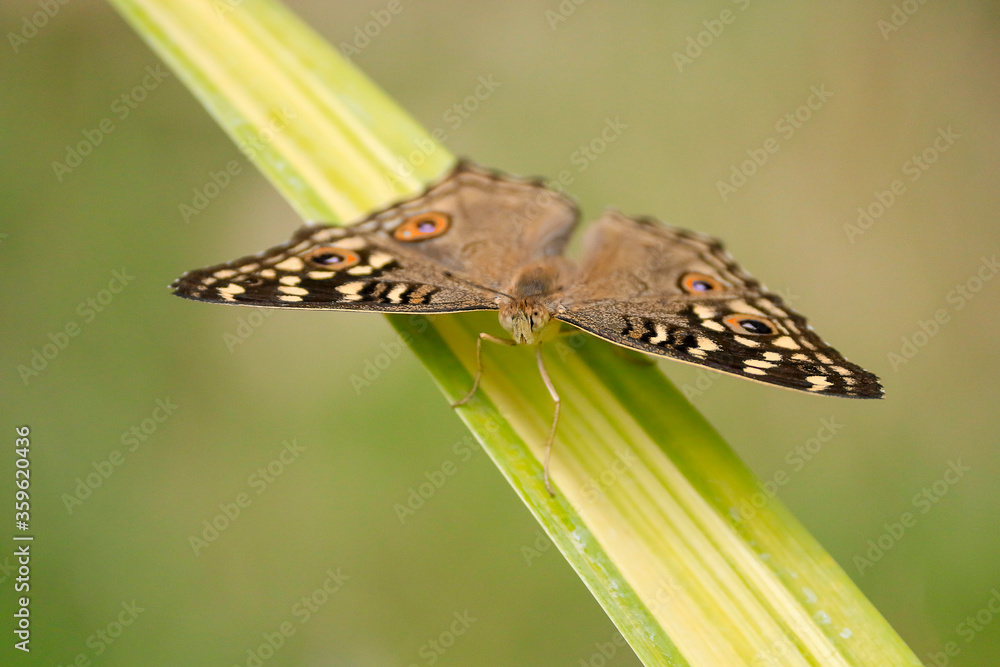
(379, 259)
(295, 291)
(362, 270)
(786, 342)
(352, 243)
(232, 288)
(741, 306)
(746, 341)
(818, 382)
(713, 325)
(704, 312)
(350, 288)
(291, 264)
(396, 292)
(290, 280)
(771, 308)
(661, 335)
(707, 344)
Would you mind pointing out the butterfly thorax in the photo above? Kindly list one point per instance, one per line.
(527, 307)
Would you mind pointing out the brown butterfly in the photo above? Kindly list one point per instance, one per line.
(482, 240)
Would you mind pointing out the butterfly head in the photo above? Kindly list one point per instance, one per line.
(524, 319)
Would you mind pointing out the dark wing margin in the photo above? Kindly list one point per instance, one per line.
(282, 277)
(792, 356)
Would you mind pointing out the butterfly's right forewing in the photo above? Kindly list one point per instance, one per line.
(678, 294)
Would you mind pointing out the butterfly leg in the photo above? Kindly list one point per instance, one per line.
(479, 365)
(555, 418)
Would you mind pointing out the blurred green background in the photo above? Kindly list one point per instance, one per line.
(700, 88)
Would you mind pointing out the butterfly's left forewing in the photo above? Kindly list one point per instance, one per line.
(673, 293)
(337, 268)
(448, 250)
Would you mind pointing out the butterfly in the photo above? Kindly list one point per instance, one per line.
(483, 240)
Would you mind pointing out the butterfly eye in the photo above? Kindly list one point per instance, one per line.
(751, 324)
(331, 257)
(699, 283)
(423, 226)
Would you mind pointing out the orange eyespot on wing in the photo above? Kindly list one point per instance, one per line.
(423, 226)
(699, 283)
(333, 258)
(751, 324)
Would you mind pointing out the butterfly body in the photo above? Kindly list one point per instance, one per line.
(481, 240)
(530, 301)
